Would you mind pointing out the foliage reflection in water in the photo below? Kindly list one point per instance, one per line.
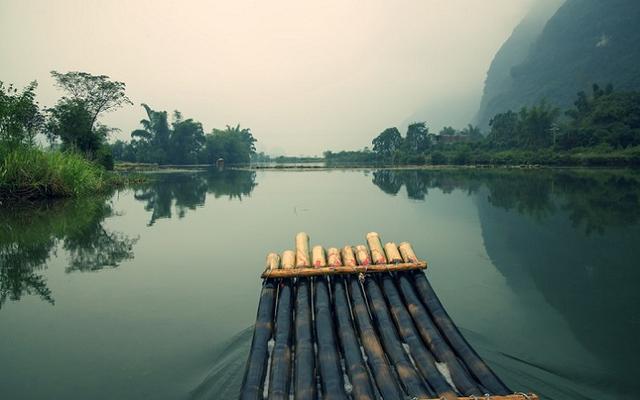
(31, 234)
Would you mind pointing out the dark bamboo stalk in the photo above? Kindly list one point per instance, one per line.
(331, 379)
(433, 338)
(422, 356)
(409, 378)
(256, 369)
(376, 359)
(304, 369)
(356, 368)
(281, 356)
(476, 365)
(304, 364)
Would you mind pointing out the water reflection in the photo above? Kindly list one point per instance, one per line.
(594, 200)
(176, 193)
(571, 236)
(30, 235)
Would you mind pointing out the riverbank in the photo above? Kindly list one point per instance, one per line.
(29, 173)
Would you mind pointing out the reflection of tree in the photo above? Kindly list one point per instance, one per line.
(388, 181)
(28, 237)
(594, 200)
(187, 191)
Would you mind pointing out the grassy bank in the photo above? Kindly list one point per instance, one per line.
(28, 173)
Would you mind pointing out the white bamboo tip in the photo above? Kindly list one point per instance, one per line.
(318, 257)
(288, 259)
(302, 250)
(407, 252)
(273, 261)
(362, 255)
(348, 257)
(377, 252)
(333, 257)
(393, 255)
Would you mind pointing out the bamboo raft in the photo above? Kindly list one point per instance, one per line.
(359, 323)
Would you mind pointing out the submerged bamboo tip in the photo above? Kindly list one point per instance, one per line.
(318, 257)
(372, 234)
(333, 257)
(288, 259)
(348, 256)
(362, 255)
(407, 252)
(302, 250)
(392, 252)
(273, 261)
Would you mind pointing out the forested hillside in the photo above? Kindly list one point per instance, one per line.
(584, 42)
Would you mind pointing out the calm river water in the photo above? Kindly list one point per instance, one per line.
(151, 293)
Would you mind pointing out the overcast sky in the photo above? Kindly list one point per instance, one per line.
(305, 76)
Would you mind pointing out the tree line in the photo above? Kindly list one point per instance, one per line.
(603, 127)
(73, 125)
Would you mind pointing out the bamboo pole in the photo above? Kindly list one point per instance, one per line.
(304, 379)
(362, 388)
(376, 359)
(331, 379)
(348, 257)
(407, 252)
(279, 381)
(318, 257)
(288, 260)
(476, 365)
(362, 255)
(256, 368)
(393, 255)
(409, 377)
(377, 252)
(308, 272)
(302, 250)
(434, 339)
(333, 257)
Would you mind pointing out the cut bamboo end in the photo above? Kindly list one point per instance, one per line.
(407, 252)
(392, 252)
(333, 257)
(273, 261)
(348, 256)
(288, 259)
(318, 258)
(302, 250)
(342, 269)
(362, 255)
(377, 252)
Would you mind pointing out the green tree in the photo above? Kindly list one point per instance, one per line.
(20, 116)
(503, 130)
(151, 143)
(417, 140)
(97, 93)
(187, 139)
(74, 119)
(472, 132)
(387, 142)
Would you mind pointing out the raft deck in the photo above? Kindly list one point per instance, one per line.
(359, 323)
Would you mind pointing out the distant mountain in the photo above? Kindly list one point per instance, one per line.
(584, 42)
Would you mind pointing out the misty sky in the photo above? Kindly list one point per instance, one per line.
(305, 76)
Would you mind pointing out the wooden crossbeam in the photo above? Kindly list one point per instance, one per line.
(342, 269)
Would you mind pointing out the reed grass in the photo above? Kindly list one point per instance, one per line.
(28, 173)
